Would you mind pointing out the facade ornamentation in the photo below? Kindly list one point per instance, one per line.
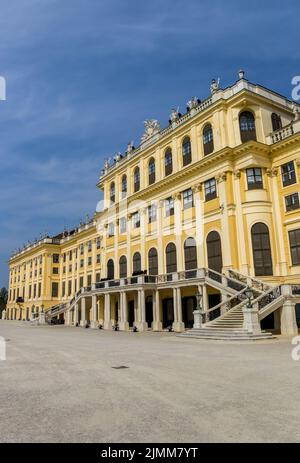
(272, 172)
(130, 147)
(192, 103)
(152, 127)
(237, 174)
(174, 116)
(215, 85)
(197, 188)
(222, 177)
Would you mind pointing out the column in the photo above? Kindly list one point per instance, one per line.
(128, 243)
(226, 245)
(199, 219)
(288, 322)
(156, 324)
(178, 232)
(107, 319)
(123, 322)
(83, 320)
(178, 324)
(142, 238)
(76, 314)
(142, 325)
(278, 225)
(159, 232)
(94, 321)
(243, 264)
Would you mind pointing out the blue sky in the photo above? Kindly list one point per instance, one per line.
(83, 75)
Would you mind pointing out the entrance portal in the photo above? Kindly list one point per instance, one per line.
(168, 312)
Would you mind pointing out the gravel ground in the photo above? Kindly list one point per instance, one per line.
(59, 384)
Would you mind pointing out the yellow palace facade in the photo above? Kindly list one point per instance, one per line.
(195, 216)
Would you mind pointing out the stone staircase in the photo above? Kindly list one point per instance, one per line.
(227, 327)
(230, 324)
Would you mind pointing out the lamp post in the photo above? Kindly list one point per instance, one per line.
(42, 316)
(249, 295)
(198, 312)
(32, 312)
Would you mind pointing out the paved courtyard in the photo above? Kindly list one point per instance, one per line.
(58, 384)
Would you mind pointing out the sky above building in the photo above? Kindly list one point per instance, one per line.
(83, 75)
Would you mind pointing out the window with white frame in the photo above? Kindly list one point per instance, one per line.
(188, 198)
(136, 220)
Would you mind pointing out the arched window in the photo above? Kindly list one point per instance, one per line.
(168, 162)
(123, 267)
(124, 186)
(261, 247)
(171, 258)
(208, 141)
(190, 254)
(276, 122)
(186, 151)
(214, 251)
(112, 192)
(151, 171)
(136, 179)
(110, 269)
(247, 126)
(153, 262)
(137, 265)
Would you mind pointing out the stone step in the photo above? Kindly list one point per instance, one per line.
(244, 336)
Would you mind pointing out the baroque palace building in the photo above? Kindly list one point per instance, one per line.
(199, 214)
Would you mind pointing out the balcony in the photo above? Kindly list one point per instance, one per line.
(285, 132)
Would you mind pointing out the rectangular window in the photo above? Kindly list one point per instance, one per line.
(254, 178)
(81, 247)
(70, 255)
(292, 202)
(288, 173)
(70, 268)
(81, 263)
(63, 291)
(123, 225)
(54, 289)
(169, 203)
(111, 229)
(97, 277)
(34, 291)
(40, 290)
(55, 270)
(152, 213)
(98, 243)
(89, 246)
(64, 269)
(188, 198)
(89, 280)
(210, 189)
(69, 287)
(294, 237)
(55, 259)
(136, 220)
(29, 294)
(90, 260)
(64, 257)
(98, 258)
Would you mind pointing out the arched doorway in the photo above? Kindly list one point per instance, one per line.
(214, 252)
(123, 267)
(261, 247)
(190, 257)
(153, 262)
(171, 258)
(136, 264)
(110, 269)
